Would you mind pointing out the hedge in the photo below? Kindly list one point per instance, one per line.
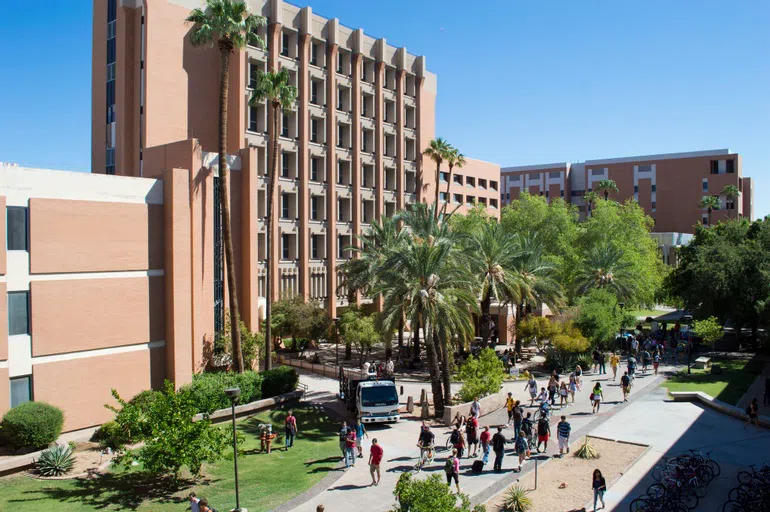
(278, 381)
(208, 389)
(33, 425)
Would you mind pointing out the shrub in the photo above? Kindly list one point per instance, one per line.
(279, 380)
(572, 345)
(559, 360)
(207, 390)
(481, 376)
(585, 361)
(56, 461)
(427, 495)
(516, 499)
(32, 425)
(111, 435)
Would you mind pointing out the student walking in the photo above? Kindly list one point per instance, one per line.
(602, 367)
(522, 448)
(753, 413)
(572, 387)
(553, 386)
(614, 363)
(543, 432)
(452, 470)
(563, 429)
(518, 417)
(476, 408)
(485, 438)
(290, 430)
(595, 357)
(498, 445)
(596, 397)
(563, 394)
(656, 361)
(472, 435)
(360, 433)
(625, 384)
(203, 505)
(510, 403)
(350, 449)
(531, 386)
(375, 457)
(343, 435)
(599, 486)
(194, 502)
(543, 396)
(458, 441)
(526, 425)
(579, 377)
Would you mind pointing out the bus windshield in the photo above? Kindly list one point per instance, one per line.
(379, 396)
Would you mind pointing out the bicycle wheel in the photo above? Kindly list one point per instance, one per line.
(732, 506)
(689, 499)
(745, 477)
(449, 444)
(704, 475)
(714, 466)
(641, 504)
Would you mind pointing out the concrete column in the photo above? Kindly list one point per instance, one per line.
(178, 276)
(303, 164)
(420, 138)
(249, 285)
(400, 144)
(331, 178)
(379, 142)
(357, 62)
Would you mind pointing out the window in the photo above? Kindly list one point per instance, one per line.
(285, 45)
(284, 125)
(471, 182)
(493, 203)
(534, 176)
(458, 179)
(314, 92)
(636, 189)
(313, 169)
(313, 54)
(654, 205)
(442, 196)
(252, 118)
(730, 167)
(645, 168)
(443, 177)
(314, 243)
(16, 227)
(18, 313)
(482, 183)
(314, 208)
(457, 198)
(284, 206)
(597, 172)
(556, 174)
(704, 220)
(547, 194)
(654, 187)
(253, 75)
(493, 185)
(21, 390)
(470, 200)
(284, 165)
(340, 64)
(561, 193)
(705, 185)
(715, 167)
(285, 247)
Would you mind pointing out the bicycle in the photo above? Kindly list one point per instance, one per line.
(427, 455)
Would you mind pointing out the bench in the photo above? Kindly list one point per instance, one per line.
(702, 362)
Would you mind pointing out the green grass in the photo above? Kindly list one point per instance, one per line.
(265, 480)
(728, 387)
(644, 313)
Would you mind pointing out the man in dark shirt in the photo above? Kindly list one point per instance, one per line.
(426, 440)
(498, 445)
(518, 416)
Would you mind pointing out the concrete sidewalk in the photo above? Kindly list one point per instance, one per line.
(352, 490)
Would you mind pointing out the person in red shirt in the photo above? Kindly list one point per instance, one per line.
(350, 449)
(472, 434)
(375, 457)
(485, 438)
(290, 430)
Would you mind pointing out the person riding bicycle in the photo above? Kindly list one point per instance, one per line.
(631, 367)
(425, 442)
(545, 410)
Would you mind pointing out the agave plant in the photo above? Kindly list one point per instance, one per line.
(56, 461)
(516, 499)
(586, 451)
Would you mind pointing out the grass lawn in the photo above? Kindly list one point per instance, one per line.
(729, 387)
(265, 480)
(644, 313)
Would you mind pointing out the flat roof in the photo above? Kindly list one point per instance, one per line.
(639, 158)
(540, 167)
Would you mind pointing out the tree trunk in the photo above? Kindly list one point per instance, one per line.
(401, 331)
(446, 375)
(435, 377)
(416, 343)
(606, 195)
(709, 212)
(348, 351)
(485, 318)
(224, 200)
(270, 236)
(435, 209)
(519, 312)
(448, 195)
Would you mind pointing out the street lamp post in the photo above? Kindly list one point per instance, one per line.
(233, 394)
(336, 321)
(688, 320)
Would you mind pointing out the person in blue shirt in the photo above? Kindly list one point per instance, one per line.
(360, 433)
(563, 429)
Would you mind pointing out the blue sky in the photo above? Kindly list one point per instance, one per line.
(520, 81)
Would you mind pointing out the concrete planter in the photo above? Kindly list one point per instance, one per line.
(710, 401)
(265, 403)
(488, 404)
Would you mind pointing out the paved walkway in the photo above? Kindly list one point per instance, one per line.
(671, 428)
(756, 390)
(352, 489)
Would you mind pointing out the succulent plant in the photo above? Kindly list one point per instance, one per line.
(56, 461)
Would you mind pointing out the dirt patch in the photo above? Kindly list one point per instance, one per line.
(90, 460)
(615, 458)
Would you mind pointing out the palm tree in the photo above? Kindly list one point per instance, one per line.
(732, 193)
(273, 87)
(590, 198)
(711, 203)
(492, 257)
(606, 186)
(454, 159)
(438, 150)
(605, 268)
(228, 24)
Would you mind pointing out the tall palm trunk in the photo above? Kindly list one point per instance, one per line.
(435, 377)
(448, 195)
(416, 343)
(438, 172)
(446, 375)
(517, 321)
(485, 317)
(606, 195)
(224, 200)
(710, 210)
(270, 236)
(401, 331)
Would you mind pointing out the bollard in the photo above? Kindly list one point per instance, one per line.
(425, 410)
(535, 474)
(423, 397)
(410, 404)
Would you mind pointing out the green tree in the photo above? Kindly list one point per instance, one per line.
(438, 150)
(599, 317)
(454, 159)
(172, 440)
(709, 329)
(537, 329)
(732, 193)
(604, 268)
(300, 320)
(275, 88)
(481, 376)
(359, 330)
(228, 24)
(427, 495)
(590, 199)
(606, 186)
(710, 203)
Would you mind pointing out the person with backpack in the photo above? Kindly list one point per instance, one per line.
(203, 505)
(290, 430)
(526, 425)
(563, 429)
(452, 470)
(498, 445)
(625, 384)
(543, 432)
(518, 417)
(471, 435)
(522, 448)
(752, 411)
(458, 441)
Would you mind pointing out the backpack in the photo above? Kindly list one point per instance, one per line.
(449, 466)
(521, 445)
(455, 437)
